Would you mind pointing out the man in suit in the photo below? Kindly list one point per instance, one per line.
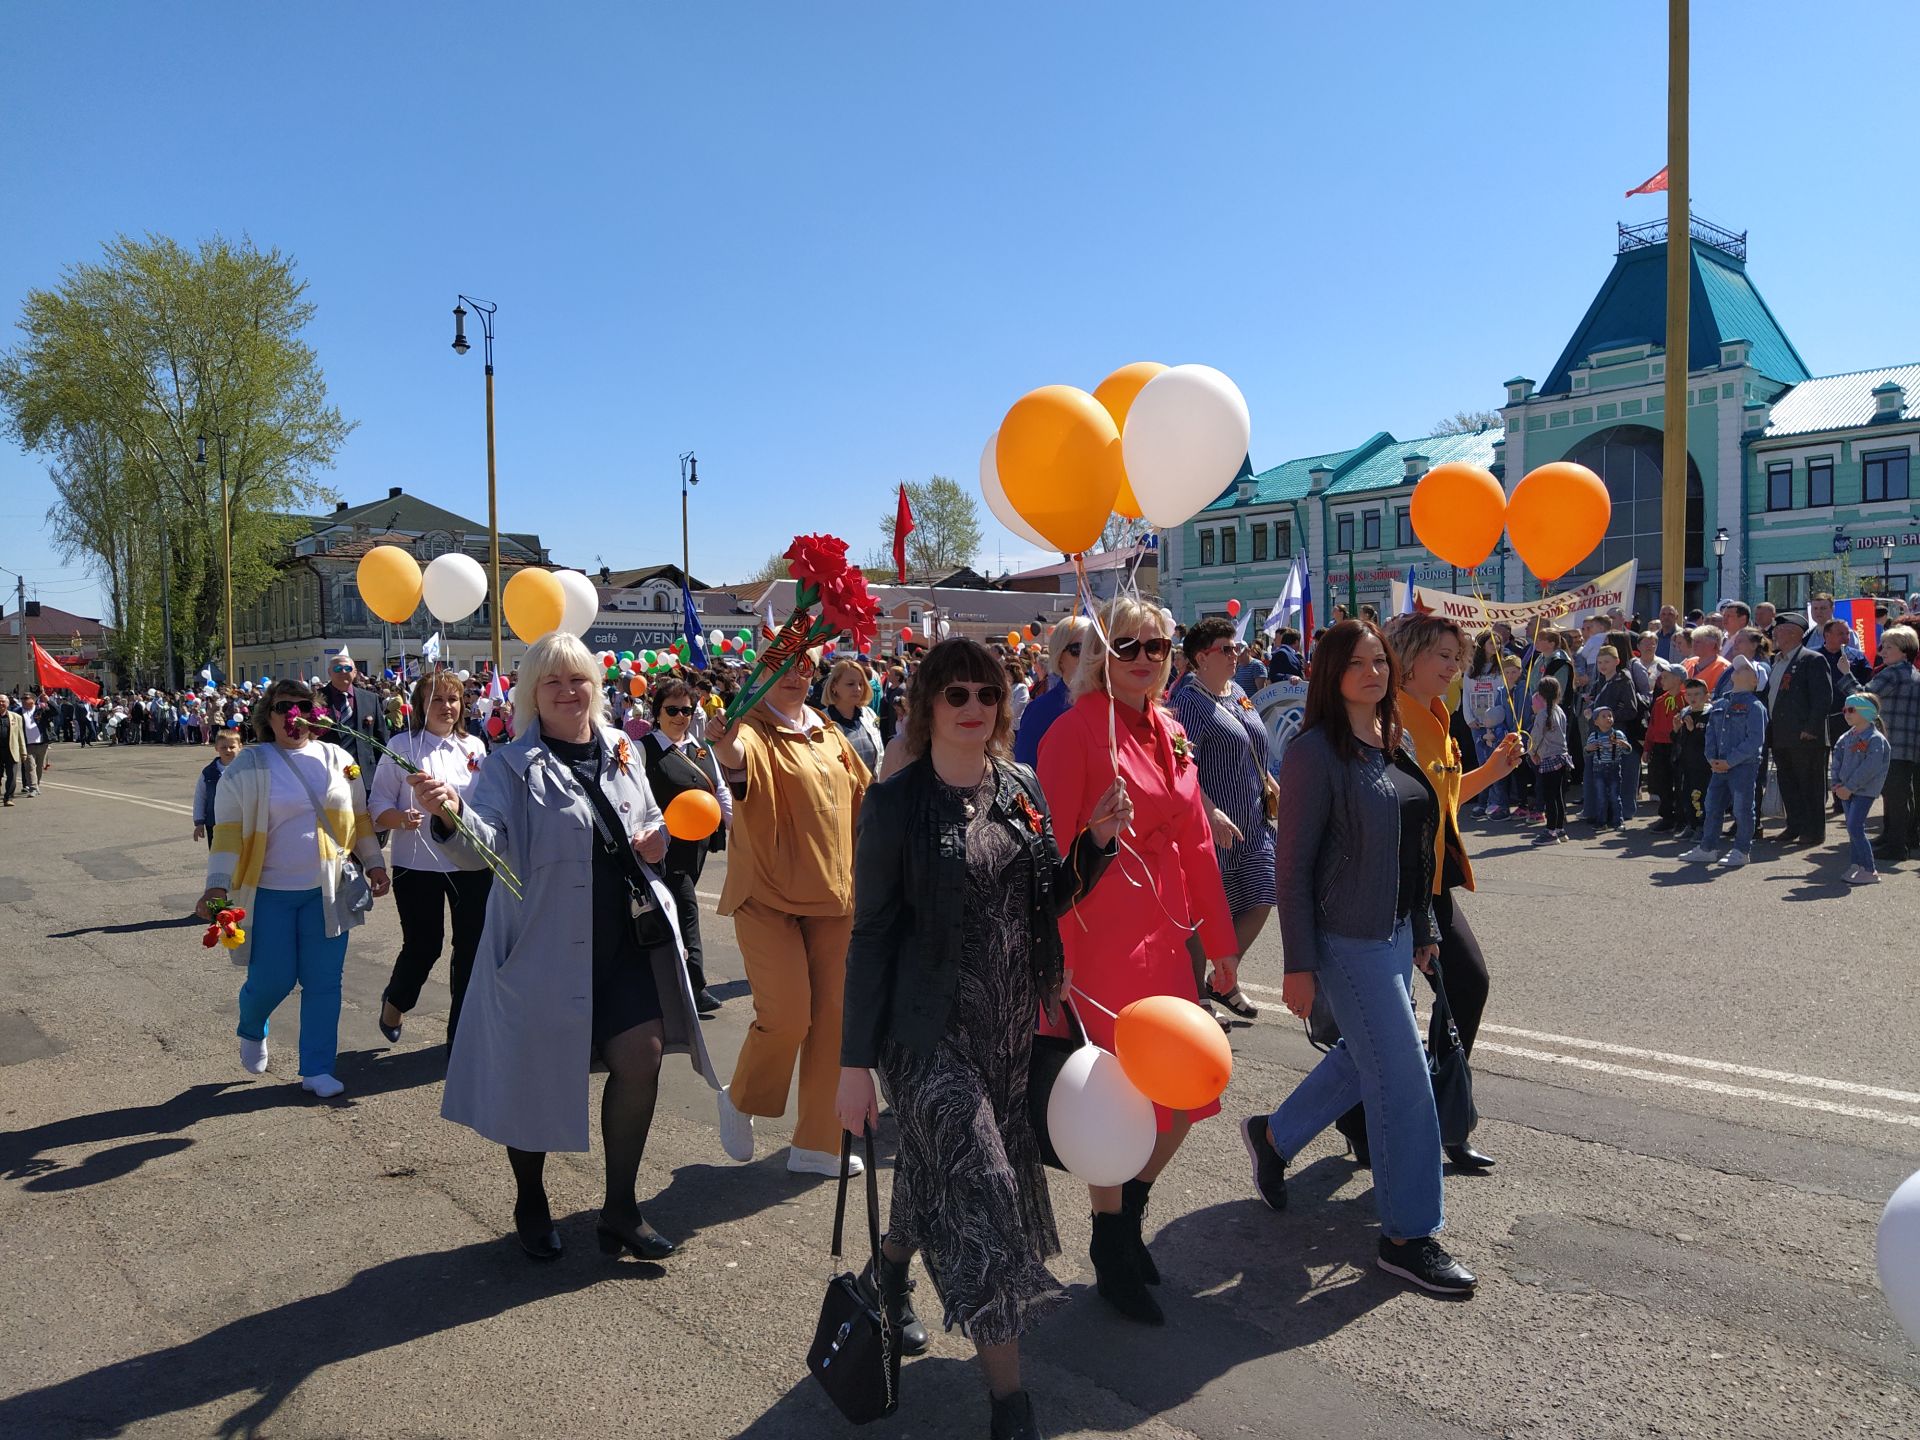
(1799, 694)
(356, 707)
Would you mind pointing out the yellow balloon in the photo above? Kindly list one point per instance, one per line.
(1059, 461)
(1116, 394)
(389, 580)
(534, 603)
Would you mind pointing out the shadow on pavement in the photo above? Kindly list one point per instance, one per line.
(23, 1152)
(135, 927)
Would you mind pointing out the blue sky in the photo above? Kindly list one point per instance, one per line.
(827, 245)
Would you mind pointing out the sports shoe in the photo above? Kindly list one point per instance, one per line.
(1699, 855)
(1269, 1170)
(1426, 1265)
(1864, 876)
(253, 1056)
(818, 1162)
(1734, 859)
(325, 1086)
(1852, 870)
(1494, 812)
(736, 1131)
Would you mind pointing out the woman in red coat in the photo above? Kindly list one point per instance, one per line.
(1128, 938)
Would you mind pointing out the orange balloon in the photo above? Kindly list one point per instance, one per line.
(1173, 1051)
(1013, 638)
(1059, 461)
(695, 814)
(1556, 516)
(1116, 393)
(389, 580)
(534, 603)
(1459, 511)
(637, 686)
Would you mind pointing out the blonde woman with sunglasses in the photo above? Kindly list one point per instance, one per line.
(1128, 938)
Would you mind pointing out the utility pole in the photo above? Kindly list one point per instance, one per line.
(20, 616)
(1673, 469)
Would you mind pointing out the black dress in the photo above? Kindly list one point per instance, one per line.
(624, 993)
(969, 1186)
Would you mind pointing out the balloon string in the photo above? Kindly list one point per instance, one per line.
(1094, 1003)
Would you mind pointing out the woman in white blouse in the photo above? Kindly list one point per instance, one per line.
(428, 880)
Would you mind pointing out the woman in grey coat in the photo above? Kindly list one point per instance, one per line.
(558, 983)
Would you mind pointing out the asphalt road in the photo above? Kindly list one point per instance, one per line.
(1700, 1090)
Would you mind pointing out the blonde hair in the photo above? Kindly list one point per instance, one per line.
(1903, 638)
(1125, 615)
(841, 669)
(561, 653)
(1063, 634)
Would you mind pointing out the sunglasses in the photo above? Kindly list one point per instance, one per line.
(988, 695)
(1127, 647)
(676, 709)
(289, 707)
(1073, 649)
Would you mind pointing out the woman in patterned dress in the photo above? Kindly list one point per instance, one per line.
(958, 886)
(1230, 752)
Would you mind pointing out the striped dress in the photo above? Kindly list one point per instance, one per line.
(1230, 751)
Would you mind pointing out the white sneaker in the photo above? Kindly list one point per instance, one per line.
(736, 1130)
(821, 1162)
(325, 1086)
(1699, 855)
(1733, 859)
(253, 1056)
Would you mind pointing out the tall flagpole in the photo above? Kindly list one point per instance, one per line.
(1673, 469)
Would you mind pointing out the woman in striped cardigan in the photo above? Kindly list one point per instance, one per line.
(274, 858)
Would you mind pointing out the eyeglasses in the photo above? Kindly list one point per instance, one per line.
(1129, 646)
(1073, 649)
(988, 695)
(676, 709)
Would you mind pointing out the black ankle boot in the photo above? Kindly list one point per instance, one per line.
(1013, 1418)
(1133, 1205)
(895, 1288)
(1116, 1272)
(1353, 1125)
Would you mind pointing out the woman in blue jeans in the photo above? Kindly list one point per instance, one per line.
(1355, 868)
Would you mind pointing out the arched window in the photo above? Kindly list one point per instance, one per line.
(1628, 458)
(660, 602)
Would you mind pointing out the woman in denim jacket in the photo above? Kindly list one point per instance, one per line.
(1355, 867)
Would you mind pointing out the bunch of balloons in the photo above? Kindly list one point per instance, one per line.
(1151, 442)
(535, 602)
(1555, 517)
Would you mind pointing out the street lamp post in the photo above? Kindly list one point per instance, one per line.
(460, 347)
(226, 532)
(1719, 564)
(689, 475)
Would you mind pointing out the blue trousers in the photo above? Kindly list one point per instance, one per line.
(1603, 800)
(1735, 787)
(290, 945)
(1496, 795)
(1380, 1063)
(1860, 848)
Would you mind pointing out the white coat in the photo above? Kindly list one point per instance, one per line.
(521, 1058)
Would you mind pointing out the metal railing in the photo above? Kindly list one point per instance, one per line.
(1654, 232)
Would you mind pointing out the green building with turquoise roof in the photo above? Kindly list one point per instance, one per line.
(1795, 484)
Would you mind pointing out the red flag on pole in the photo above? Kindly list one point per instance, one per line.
(902, 527)
(50, 674)
(1647, 187)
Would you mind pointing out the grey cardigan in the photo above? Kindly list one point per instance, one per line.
(1338, 849)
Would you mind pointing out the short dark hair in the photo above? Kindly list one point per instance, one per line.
(262, 717)
(1203, 633)
(966, 662)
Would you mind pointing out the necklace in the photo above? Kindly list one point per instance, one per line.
(967, 795)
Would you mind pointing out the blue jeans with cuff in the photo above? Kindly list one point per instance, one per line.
(290, 944)
(1859, 847)
(1381, 1063)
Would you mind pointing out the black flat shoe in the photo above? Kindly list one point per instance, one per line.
(1425, 1264)
(705, 1001)
(535, 1227)
(642, 1239)
(1465, 1157)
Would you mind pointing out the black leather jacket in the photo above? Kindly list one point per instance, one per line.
(910, 896)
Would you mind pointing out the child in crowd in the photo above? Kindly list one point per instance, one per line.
(1663, 776)
(226, 745)
(1608, 753)
(1691, 771)
(1548, 746)
(1522, 786)
(1861, 759)
(1485, 701)
(1736, 731)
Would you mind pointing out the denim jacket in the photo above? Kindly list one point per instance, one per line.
(1860, 761)
(1737, 728)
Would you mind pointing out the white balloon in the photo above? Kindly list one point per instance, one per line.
(453, 586)
(998, 503)
(1187, 432)
(582, 606)
(1102, 1128)
(1898, 1251)
(714, 637)
(463, 675)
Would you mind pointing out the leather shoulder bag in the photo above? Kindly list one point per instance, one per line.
(855, 1354)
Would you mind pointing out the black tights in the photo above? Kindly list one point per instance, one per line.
(626, 1115)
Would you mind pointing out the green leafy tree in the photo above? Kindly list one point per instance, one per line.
(121, 368)
(945, 534)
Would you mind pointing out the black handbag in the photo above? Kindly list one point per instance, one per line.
(1050, 1053)
(855, 1354)
(1452, 1078)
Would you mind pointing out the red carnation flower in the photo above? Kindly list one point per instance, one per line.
(815, 559)
(847, 605)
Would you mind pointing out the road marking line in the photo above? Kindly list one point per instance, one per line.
(170, 806)
(1712, 1087)
(1661, 1057)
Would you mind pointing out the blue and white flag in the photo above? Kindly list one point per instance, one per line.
(696, 642)
(430, 649)
(1295, 596)
(1406, 600)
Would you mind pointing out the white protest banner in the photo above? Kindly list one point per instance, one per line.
(1604, 592)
